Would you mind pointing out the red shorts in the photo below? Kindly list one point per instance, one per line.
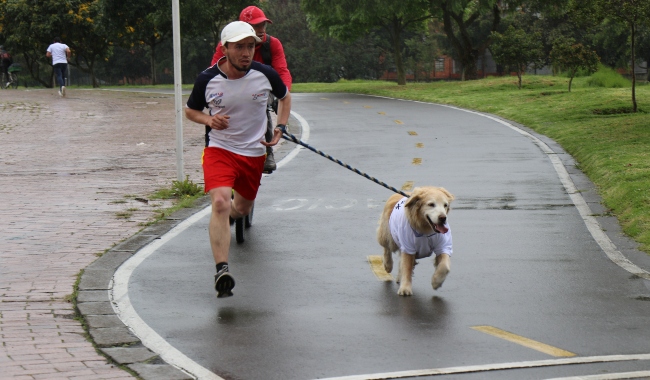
(224, 168)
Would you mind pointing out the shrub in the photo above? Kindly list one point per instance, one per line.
(608, 78)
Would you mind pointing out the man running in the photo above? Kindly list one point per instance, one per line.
(59, 52)
(235, 91)
(269, 51)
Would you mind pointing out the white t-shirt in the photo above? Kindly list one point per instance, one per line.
(244, 100)
(413, 243)
(58, 51)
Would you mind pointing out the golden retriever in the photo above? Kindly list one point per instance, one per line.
(416, 227)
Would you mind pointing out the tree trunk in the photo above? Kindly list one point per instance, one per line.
(153, 63)
(466, 50)
(34, 70)
(397, 53)
(462, 45)
(634, 107)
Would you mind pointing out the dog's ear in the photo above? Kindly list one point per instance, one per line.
(413, 200)
(449, 195)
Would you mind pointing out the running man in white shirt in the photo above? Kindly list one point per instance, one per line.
(59, 53)
(235, 91)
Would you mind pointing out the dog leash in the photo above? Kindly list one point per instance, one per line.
(288, 136)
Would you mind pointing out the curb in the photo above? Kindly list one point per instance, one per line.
(107, 331)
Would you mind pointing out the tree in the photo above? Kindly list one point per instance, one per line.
(199, 17)
(632, 13)
(89, 38)
(422, 51)
(516, 49)
(143, 22)
(313, 58)
(30, 26)
(459, 18)
(350, 20)
(572, 56)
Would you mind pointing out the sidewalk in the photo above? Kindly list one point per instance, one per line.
(70, 172)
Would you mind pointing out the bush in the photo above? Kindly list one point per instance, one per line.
(608, 78)
(179, 190)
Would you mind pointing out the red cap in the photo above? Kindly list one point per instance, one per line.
(253, 15)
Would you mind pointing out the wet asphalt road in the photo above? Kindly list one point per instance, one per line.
(307, 304)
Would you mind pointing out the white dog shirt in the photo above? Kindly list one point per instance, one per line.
(414, 243)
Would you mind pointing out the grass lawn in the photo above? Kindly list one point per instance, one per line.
(612, 149)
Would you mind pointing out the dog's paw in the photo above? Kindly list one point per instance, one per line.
(405, 291)
(439, 277)
(388, 261)
(388, 266)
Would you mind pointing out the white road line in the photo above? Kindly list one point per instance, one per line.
(304, 137)
(608, 376)
(585, 212)
(118, 292)
(494, 367)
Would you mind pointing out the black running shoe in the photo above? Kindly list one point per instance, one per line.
(269, 163)
(223, 283)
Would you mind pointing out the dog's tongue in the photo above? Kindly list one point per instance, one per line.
(441, 228)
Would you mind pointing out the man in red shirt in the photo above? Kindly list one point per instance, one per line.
(270, 52)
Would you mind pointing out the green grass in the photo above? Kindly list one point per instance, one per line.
(612, 148)
(184, 193)
(607, 77)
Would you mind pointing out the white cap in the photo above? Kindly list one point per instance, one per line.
(237, 31)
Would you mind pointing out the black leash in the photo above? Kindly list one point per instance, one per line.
(288, 136)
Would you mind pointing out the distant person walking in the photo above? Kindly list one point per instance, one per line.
(5, 62)
(59, 53)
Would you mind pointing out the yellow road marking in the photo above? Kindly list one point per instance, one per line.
(367, 106)
(514, 338)
(419, 145)
(407, 186)
(346, 102)
(413, 133)
(382, 113)
(417, 161)
(325, 98)
(377, 265)
(398, 122)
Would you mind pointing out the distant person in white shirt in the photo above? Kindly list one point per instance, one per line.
(60, 53)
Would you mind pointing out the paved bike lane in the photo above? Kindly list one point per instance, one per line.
(307, 305)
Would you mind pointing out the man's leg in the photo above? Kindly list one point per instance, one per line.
(219, 227)
(241, 206)
(219, 231)
(58, 75)
(64, 75)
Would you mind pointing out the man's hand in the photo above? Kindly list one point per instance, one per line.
(277, 135)
(219, 122)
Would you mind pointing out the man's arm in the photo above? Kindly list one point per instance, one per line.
(279, 62)
(215, 122)
(284, 110)
(68, 52)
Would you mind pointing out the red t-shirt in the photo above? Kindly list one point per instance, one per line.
(278, 60)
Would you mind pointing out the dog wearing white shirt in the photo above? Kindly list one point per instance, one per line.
(416, 227)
